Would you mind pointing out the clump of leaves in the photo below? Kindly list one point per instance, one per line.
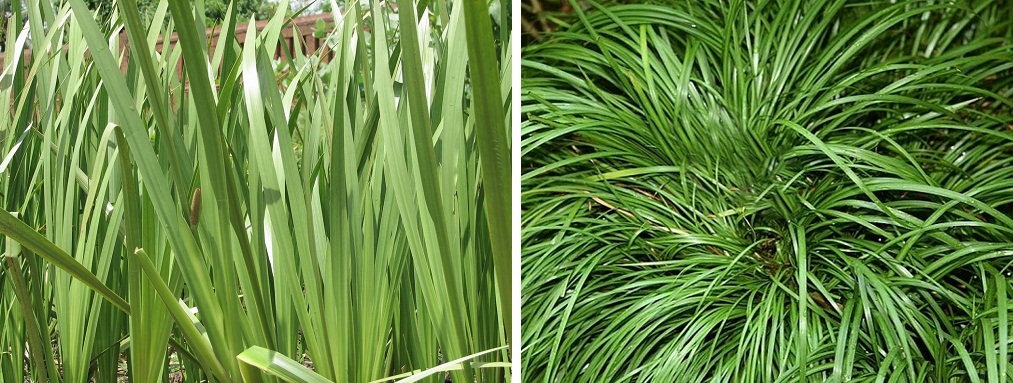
(755, 191)
(246, 212)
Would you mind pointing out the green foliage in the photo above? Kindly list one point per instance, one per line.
(8, 8)
(248, 218)
(214, 10)
(770, 192)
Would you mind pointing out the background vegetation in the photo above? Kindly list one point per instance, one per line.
(757, 191)
(250, 215)
(214, 11)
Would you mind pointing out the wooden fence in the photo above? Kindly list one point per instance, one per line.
(302, 28)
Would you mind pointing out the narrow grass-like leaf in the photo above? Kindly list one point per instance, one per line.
(198, 342)
(19, 232)
(37, 348)
(276, 364)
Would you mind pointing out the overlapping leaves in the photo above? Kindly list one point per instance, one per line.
(757, 191)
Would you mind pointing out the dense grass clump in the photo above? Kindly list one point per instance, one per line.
(770, 191)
